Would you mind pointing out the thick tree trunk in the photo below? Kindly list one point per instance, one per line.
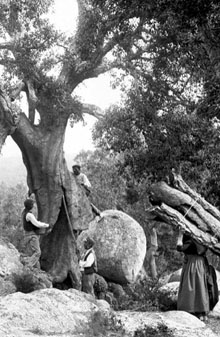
(53, 185)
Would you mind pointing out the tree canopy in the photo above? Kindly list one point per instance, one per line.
(169, 117)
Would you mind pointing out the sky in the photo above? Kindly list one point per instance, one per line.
(95, 91)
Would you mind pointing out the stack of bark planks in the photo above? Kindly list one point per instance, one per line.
(184, 208)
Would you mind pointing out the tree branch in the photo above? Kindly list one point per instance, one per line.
(7, 44)
(32, 100)
(93, 110)
(17, 90)
(91, 44)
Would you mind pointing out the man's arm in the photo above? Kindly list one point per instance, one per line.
(85, 181)
(89, 261)
(180, 238)
(200, 248)
(30, 217)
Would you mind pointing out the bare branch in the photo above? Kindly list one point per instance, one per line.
(93, 110)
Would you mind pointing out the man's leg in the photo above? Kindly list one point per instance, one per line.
(34, 251)
(88, 281)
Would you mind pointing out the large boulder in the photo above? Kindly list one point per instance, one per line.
(170, 323)
(9, 259)
(120, 246)
(56, 313)
(10, 265)
(51, 312)
(14, 276)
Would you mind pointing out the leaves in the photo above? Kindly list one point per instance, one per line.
(170, 116)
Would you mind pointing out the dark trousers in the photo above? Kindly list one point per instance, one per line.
(88, 281)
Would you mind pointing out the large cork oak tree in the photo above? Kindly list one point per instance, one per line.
(45, 66)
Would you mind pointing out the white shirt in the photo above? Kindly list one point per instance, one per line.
(89, 260)
(30, 217)
(83, 180)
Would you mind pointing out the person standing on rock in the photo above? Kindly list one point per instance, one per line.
(88, 267)
(193, 295)
(31, 228)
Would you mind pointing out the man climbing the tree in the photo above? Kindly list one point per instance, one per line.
(82, 180)
(88, 267)
(31, 227)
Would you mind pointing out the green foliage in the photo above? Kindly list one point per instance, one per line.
(142, 296)
(167, 120)
(154, 143)
(25, 282)
(160, 331)
(145, 295)
(37, 35)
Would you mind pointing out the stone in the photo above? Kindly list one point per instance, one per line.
(14, 276)
(10, 265)
(120, 246)
(9, 259)
(167, 296)
(175, 276)
(170, 323)
(50, 312)
(68, 313)
(117, 290)
(7, 286)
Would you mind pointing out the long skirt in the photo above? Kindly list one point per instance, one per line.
(193, 294)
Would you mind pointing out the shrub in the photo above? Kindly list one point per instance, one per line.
(160, 331)
(146, 295)
(24, 282)
(142, 296)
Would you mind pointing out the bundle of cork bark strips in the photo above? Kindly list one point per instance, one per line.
(179, 205)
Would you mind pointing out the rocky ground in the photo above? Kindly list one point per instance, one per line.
(214, 324)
